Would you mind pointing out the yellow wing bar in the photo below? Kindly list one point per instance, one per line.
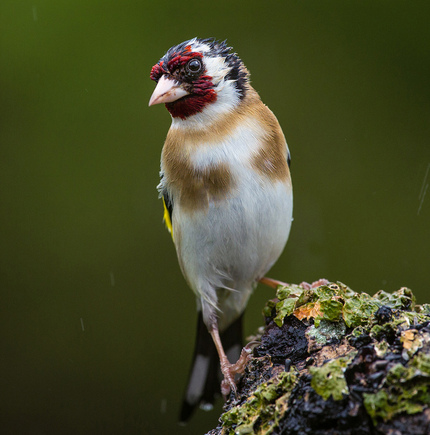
(166, 219)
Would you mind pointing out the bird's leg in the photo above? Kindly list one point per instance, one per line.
(273, 283)
(229, 370)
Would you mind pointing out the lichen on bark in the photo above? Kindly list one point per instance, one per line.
(335, 361)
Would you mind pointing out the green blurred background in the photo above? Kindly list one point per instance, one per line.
(97, 323)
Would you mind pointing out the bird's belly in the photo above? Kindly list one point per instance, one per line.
(235, 241)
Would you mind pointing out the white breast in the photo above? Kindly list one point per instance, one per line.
(236, 149)
(236, 240)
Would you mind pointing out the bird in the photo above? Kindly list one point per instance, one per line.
(226, 187)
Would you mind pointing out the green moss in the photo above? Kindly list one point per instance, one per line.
(401, 299)
(381, 348)
(334, 308)
(326, 331)
(284, 308)
(383, 405)
(359, 309)
(423, 309)
(290, 291)
(378, 332)
(266, 404)
(421, 362)
(326, 300)
(268, 308)
(405, 389)
(306, 296)
(331, 310)
(336, 301)
(401, 321)
(329, 380)
(359, 331)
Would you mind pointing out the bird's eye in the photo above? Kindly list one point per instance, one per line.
(194, 66)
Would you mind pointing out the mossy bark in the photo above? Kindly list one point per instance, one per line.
(333, 361)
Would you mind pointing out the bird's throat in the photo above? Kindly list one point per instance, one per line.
(191, 104)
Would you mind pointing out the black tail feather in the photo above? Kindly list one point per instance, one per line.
(204, 379)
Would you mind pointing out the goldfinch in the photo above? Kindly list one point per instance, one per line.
(227, 193)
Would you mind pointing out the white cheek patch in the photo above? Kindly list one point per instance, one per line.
(216, 68)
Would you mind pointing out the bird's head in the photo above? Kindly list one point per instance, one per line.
(197, 76)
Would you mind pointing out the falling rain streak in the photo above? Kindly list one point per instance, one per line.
(423, 190)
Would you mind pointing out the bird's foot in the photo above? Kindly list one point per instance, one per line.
(229, 370)
(315, 284)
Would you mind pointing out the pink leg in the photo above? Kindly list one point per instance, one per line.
(229, 370)
(273, 283)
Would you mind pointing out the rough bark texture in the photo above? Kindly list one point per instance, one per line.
(333, 361)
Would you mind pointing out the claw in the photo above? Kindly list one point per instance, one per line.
(226, 389)
(229, 370)
(321, 281)
(315, 284)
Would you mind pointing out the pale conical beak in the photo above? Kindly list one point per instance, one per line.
(166, 91)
